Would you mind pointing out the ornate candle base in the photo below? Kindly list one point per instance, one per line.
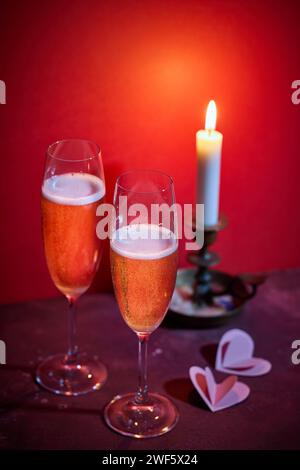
(204, 297)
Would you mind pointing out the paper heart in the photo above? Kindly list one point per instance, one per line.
(235, 355)
(218, 396)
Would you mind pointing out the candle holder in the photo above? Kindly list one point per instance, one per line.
(205, 286)
(205, 297)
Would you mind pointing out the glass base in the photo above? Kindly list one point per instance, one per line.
(84, 376)
(127, 417)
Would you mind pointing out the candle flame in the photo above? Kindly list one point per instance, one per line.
(211, 116)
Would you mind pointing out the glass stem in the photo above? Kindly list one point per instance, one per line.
(73, 348)
(142, 393)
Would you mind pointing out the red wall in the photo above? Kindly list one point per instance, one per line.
(136, 77)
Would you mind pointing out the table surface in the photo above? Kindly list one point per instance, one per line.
(31, 418)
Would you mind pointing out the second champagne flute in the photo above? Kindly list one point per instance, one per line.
(143, 254)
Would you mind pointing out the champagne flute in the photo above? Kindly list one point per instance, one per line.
(73, 187)
(144, 257)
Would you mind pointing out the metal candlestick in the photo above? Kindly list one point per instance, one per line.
(205, 286)
(205, 297)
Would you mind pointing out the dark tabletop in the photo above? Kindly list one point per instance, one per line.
(32, 418)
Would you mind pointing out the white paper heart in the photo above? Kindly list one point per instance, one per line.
(218, 396)
(235, 355)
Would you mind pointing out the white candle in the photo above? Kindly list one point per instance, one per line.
(209, 148)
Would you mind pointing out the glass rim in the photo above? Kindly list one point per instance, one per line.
(146, 170)
(73, 160)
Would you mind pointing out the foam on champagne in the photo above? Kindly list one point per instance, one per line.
(73, 189)
(144, 241)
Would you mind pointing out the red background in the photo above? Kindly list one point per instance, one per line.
(136, 77)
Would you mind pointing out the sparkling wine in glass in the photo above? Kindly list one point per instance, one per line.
(73, 187)
(144, 257)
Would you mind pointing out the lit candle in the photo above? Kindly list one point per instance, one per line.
(209, 147)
